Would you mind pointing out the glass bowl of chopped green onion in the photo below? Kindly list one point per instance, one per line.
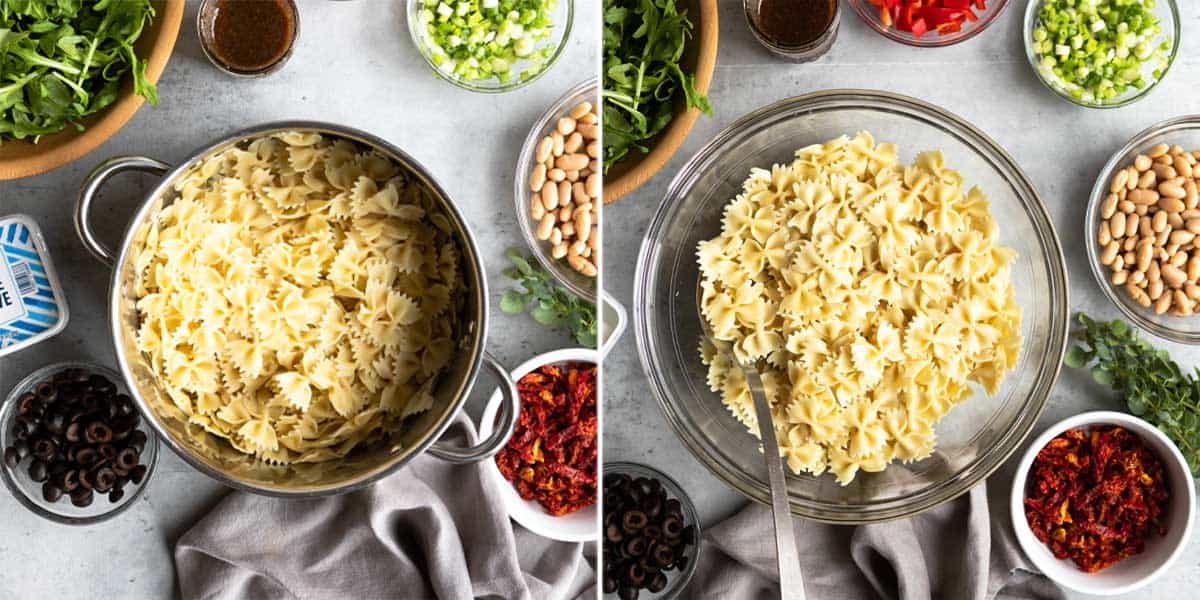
(1101, 53)
(490, 46)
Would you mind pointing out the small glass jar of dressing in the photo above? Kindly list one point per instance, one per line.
(796, 30)
(248, 38)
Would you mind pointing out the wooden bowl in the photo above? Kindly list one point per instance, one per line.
(700, 57)
(21, 158)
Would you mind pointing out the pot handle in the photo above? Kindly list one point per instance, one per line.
(91, 188)
(510, 409)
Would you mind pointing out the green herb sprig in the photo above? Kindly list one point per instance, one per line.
(1155, 388)
(62, 60)
(643, 43)
(548, 302)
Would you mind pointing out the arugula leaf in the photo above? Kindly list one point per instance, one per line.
(62, 60)
(643, 43)
(1154, 386)
(549, 303)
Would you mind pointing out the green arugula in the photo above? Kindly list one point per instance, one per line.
(548, 302)
(1154, 386)
(61, 60)
(643, 43)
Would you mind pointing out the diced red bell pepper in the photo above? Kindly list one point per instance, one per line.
(940, 16)
(919, 17)
(919, 28)
(952, 27)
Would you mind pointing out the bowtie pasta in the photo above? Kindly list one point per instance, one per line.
(869, 293)
(298, 297)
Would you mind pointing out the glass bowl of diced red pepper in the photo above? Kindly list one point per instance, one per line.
(929, 23)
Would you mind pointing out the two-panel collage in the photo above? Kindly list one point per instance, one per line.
(599, 299)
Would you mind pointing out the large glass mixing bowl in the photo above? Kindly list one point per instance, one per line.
(978, 434)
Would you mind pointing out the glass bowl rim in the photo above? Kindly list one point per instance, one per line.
(872, 21)
(7, 411)
(1091, 224)
(683, 578)
(1028, 24)
(417, 36)
(557, 268)
(1046, 373)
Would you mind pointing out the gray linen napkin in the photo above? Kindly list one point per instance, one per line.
(431, 531)
(954, 552)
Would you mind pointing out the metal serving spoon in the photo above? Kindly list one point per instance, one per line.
(791, 580)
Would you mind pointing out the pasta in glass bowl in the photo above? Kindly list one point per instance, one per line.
(978, 433)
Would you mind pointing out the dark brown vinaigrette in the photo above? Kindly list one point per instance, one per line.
(251, 35)
(795, 22)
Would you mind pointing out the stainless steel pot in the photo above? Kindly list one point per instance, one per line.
(214, 456)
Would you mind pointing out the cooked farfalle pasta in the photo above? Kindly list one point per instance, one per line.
(298, 297)
(869, 293)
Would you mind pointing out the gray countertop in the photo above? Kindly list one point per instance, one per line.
(987, 81)
(354, 64)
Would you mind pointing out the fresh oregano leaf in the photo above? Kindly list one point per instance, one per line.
(548, 303)
(1155, 387)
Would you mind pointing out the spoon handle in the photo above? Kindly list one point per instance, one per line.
(791, 581)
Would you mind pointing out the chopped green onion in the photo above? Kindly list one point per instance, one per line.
(477, 40)
(1097, 50)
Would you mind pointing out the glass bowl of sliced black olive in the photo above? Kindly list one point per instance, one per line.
(651, 534)
(75, 450)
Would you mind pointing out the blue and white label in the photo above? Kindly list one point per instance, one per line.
(30, 308)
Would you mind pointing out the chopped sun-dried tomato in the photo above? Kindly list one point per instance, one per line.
(551, 457)
(1094, 498)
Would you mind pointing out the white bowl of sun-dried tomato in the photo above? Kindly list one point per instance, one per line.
(1103, 503)
(548, 472)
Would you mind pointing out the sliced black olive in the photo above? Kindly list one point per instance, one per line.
(672, 527)
(652, 532)
(137, 474)
(51, 492)
(127, 459)
(674, 508)
(27, 404)
(633, 520)
(54, 420)
(81, 497)
(635, 546)
(74, 432)
(663, 555)
(657, 583)
(46, 391)
(86, 456)
(610, 584)
(38, 471)
(105, 478)
(613, 534)
(45, 449)
(137, 440)
(634, 575)
(70, 480)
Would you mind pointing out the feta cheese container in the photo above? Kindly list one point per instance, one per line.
(32, 305)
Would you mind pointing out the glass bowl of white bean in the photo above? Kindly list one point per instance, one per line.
(1142, 230)
(557, 189)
